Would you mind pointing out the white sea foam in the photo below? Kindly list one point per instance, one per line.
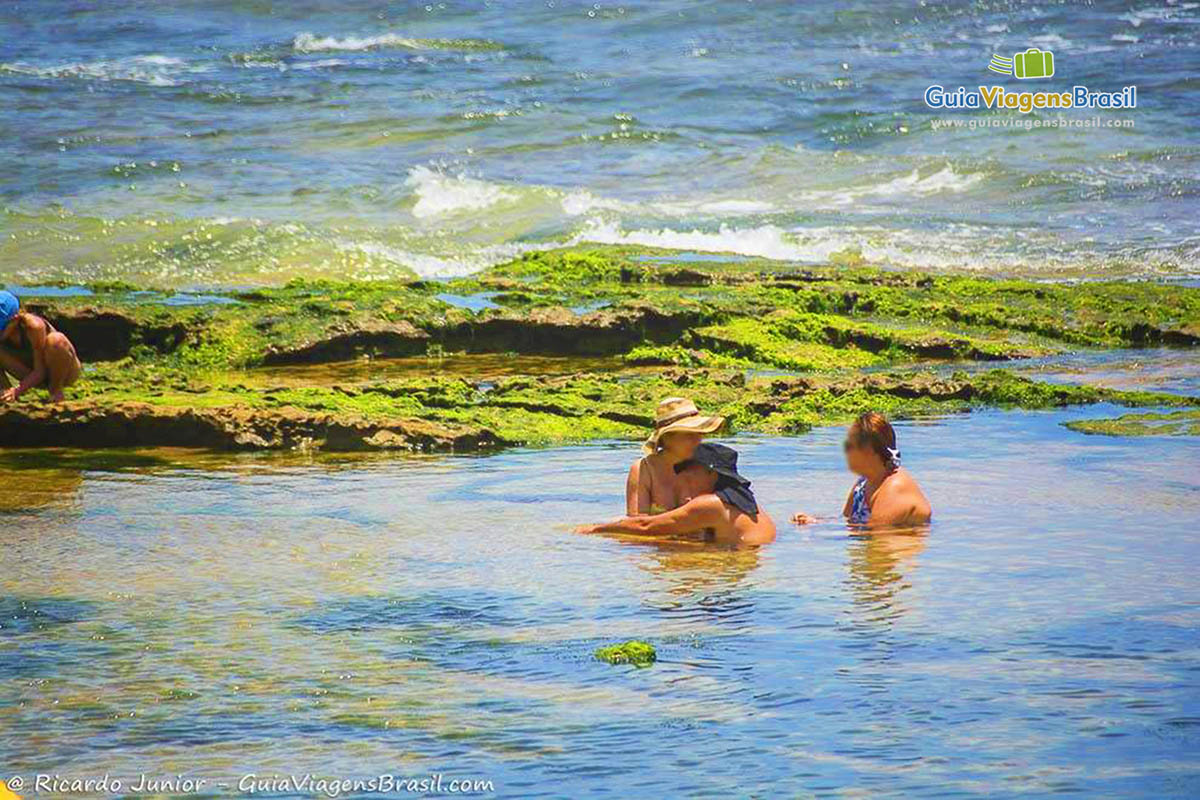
(431, 265)
(767, 241)
(439, 194)
(151, 70)
(299, 66)
(910, 185)
(962, 247)
(582, 202)
(311, 43)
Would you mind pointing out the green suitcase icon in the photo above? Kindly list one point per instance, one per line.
(1033, 63)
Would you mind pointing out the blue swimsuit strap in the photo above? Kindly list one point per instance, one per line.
(859, 511)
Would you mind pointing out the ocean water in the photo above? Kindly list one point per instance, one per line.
(216, 142)
(168, 614)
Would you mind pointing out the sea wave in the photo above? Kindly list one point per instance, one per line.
(445, 264)
(151, 70)
(909, 185)
(312, 43)
(440, 194)
(961, 247)
(766, 241)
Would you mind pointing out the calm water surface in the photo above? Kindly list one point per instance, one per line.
(217, 617)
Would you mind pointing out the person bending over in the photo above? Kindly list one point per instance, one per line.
(885, 495)
(719, 503)
(33, 353)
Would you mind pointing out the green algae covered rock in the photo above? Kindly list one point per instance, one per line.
(578, 345)
(640, 654)
(1178, 423)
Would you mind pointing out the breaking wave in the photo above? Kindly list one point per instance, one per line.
(311, 43)
(438, 194)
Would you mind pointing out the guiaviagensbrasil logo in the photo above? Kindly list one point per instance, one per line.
(1033, 63)
(1026, 65)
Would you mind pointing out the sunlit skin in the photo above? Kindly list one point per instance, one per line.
(704, 511)
(653, 485)
(893, 495)
(55, 364)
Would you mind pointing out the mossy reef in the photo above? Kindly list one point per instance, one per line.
(572, 345)
(640, 654)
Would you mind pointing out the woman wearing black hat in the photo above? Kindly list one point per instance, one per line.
(721, 502)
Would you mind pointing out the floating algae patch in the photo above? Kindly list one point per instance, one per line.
(640, 654)
(1177, 423)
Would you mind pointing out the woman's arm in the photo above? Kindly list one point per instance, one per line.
(701, 512)
(637, 490)
(800, 518)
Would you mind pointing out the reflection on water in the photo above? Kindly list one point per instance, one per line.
(218, 615)
(881, 566)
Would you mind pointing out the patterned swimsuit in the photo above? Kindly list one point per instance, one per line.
(860, 512)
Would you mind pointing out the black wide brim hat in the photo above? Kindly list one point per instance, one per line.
(732, 487)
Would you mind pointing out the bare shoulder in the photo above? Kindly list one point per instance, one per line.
(901, 482)
(32, 322)
(902, 486)
(642, 469)
(635, 470)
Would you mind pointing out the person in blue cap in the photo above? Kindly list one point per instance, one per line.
(33, 353)
(720, 504)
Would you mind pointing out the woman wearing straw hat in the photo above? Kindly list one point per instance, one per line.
(678, 428)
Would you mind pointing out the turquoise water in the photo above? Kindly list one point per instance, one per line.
(168, 614)
(245, 142)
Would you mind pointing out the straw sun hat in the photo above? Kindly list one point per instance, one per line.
(679, 414)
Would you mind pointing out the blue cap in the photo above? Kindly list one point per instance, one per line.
(9, 306)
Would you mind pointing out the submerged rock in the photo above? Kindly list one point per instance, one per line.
(1177, 423)
(640, 654)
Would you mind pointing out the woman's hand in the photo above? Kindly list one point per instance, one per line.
(9, 395)
(804, 519)
(588, 529)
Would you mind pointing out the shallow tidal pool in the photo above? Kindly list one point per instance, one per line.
(219, 616)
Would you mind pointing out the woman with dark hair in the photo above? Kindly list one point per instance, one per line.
(885, 494)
